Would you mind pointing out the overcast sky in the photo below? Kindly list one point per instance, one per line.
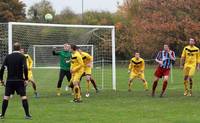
(76, 5)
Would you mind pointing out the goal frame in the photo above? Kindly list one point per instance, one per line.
(10, 42)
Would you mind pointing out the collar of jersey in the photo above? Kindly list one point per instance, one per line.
(16, 51)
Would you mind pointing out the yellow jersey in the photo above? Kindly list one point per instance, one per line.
(87, 58)
(191, 54)
(29, 61)
(136, 65)
(76, 62)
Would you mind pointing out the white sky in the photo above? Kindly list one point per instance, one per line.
(76, 5)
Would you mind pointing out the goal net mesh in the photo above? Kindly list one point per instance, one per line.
(99, 38)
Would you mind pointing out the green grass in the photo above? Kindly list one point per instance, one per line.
(108, 106)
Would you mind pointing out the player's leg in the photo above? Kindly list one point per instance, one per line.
(158, 75)
(21, 90)
(34, 87)
(94, 84)
(4, 106)
(145, 84)
(131, 77)
(26, 107)
(88, 71)
(191, 73)
(191, 84)
(155, 83)
(71, 85)
(88, 74)
(88, 77)
(8, 92)
(77, 95)
(76, 82)
(165, 83)
(69, 76)
(59, 84)
(186, 80)
(30, 77)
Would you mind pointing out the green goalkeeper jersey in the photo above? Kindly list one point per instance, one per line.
(65, 57)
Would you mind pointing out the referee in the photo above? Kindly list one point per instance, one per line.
(17, 68)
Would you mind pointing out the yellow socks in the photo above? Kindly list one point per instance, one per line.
(186, 87)
(145, 85)
(77, 93)
(88, 86)
(58, 91)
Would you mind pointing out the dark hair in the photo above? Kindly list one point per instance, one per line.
(16, 46)
(74, 47)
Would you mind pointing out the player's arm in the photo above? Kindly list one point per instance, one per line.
(158, 57)
(30, 62)
(90, 59)
(198, 60)
(2, 71)
(54, 52)
(183, 56)
(25, 69)
(130, 66)
(172, 55)
(143, 66)
(80, 64)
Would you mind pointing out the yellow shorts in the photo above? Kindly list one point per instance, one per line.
(134, 75)
(189, 71)
(88, 70)
(76, 76)
(30, 75)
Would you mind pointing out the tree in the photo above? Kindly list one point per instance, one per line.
(67, 16)
(12, 10)
(38, 11)
(151, 23)
(98, 18)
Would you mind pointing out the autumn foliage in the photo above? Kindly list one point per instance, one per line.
(151, 23)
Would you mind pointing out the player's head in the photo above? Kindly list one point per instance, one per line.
(192, 41)
(67, 47)
(16, 46)
(74, 47)
(166, 47)
(22, 50)
(137, 55)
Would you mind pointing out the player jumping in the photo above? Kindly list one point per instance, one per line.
(164, 59)
(65, 56)
(87, 60)
(77, 70)
(190, 58)
(136, 70)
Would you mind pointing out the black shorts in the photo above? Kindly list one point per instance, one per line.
(19, 89)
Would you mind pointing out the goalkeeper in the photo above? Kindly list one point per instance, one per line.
(64, 56)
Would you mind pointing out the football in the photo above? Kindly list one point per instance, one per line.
(48, 17)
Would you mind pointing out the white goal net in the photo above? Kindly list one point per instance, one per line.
(38, 39)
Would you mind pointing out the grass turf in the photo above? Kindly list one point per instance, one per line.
(108, 106)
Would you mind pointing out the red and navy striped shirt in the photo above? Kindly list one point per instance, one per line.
(165, 57)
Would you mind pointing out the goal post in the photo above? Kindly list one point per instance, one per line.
(102, 38)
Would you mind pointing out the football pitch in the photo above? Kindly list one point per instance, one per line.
(108, 106)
